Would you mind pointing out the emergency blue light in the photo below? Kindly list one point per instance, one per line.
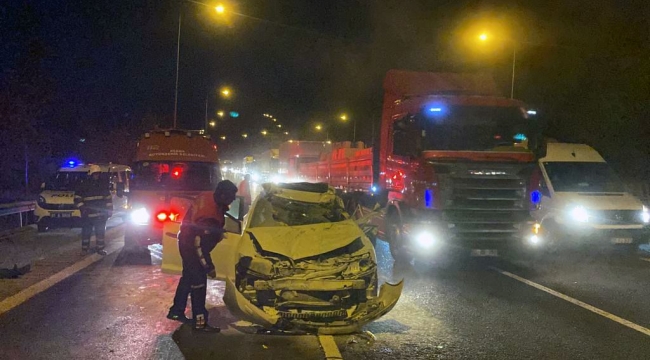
(373, 188)
(71, 163)
(536, 197)
(428, 198)
(435, 109)
(234, 114)
(520, 137)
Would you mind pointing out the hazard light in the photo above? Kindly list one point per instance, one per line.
(162, 216)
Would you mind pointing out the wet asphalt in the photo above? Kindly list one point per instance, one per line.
(115, 309)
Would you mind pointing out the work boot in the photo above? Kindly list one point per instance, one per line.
(178, 317)
(201, 324)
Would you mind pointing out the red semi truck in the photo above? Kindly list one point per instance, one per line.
(455, 165)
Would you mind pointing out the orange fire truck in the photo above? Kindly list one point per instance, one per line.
(170, 169)
(454, 166)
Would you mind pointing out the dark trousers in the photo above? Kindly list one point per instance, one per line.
(87, 226)
(193, 282)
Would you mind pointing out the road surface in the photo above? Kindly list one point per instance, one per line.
(576, 307)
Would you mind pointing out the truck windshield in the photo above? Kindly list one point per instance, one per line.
(468, 128)
(171, 175)
(583, 177)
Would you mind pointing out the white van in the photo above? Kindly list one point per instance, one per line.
(583, 201)
(55, 206)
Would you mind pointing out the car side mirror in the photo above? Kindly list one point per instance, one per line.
(120, 190)
(236, 210)
(43, 186)
(232, 225)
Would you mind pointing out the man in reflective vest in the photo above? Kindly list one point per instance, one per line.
(94, 200)
(201, 231)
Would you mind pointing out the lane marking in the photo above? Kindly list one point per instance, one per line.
(645, 259)
(26, 294)
(329, 347)
(583, 305)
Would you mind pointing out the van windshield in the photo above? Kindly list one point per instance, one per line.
(173, 175)
(583, 177)
(69, 180)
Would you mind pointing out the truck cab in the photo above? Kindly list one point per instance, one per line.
(171, 168)
(584, 202)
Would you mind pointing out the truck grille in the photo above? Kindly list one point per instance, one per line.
(485, 204)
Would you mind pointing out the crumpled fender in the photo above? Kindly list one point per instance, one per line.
(244, 309)
(389, 294)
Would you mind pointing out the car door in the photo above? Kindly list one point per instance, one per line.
(223, 255)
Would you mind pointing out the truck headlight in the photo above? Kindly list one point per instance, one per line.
(425, 239)
(579, 214)
(645, 215)
(140, 216)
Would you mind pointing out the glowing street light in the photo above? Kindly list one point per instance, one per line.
(213, 123)
(483, 37)
(318, 127)
(220, 113)
(244, 135)
(225, 92)
(223, 137)
(279, 126)
(343, 117)
(264, 132)
(220, 9)
(286, 133)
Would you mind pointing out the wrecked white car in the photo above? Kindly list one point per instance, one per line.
(299, 263)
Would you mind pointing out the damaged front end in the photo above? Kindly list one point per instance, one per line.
(326, 289)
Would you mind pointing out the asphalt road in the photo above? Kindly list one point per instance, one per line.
(481, 309)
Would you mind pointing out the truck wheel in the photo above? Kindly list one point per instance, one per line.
(41, 227)
(395, 239)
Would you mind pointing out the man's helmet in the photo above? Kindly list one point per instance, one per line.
(94, 169)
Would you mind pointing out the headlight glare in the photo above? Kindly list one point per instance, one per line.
(645, 215)
(579, 214)
(140, 216)
(425, 239)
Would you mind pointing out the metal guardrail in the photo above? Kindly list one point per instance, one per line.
(22, 208)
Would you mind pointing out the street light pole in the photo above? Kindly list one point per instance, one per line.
(514, 61)
(206, 111)
(178, 55)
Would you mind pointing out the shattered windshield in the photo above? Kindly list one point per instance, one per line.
(272, 210)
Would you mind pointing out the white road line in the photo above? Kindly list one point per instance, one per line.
(583, 305)
(26, 294)
(329, 347)
(645, 259)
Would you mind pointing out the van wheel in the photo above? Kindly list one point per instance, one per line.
(41, 227)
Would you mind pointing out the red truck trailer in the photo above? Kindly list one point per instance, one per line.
(454, 165)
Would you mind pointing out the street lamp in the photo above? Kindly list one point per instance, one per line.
(344, 117)
(483, 37)
(318, 127)
(220, 9)
(213, 123)
(220, 113)
(264, 132)
(225, 92)
(244, 135)
(223, 137)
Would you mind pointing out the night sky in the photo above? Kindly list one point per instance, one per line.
(105, 64)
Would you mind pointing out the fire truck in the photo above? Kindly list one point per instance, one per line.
(454, 166)
(171, 168)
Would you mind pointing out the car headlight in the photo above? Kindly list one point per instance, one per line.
(140, 216)
(425, 239)
(645, 215)
(579, 214)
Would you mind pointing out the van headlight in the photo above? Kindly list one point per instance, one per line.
(645, 215)
(41, 200)
(425, 239)
(140, 216)
(579, 214)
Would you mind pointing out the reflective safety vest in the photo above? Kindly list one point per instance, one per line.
(202, 227)
(94, 199)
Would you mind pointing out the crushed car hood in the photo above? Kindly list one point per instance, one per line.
(298, 242)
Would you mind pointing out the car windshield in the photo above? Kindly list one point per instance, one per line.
(171, 175)
(583, 177)
(272, 210)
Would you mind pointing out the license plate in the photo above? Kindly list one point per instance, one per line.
(622, 240)
(62, 215)
(484, 252)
